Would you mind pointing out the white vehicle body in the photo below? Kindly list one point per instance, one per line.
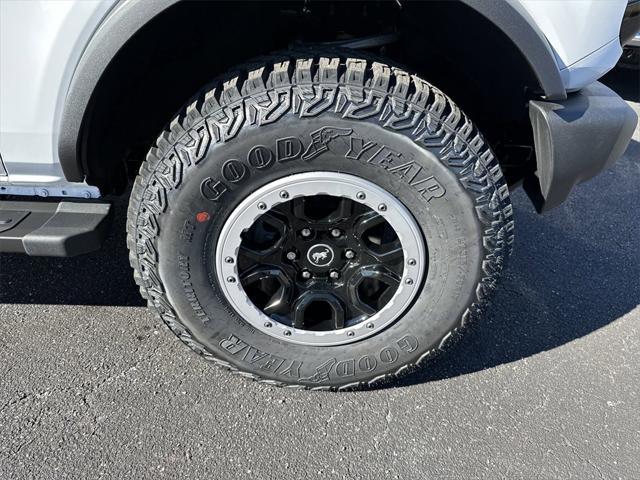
(318, 191)
(42, 42)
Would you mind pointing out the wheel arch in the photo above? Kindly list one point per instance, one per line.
(115, 30)
(516, 23)
(121, 35)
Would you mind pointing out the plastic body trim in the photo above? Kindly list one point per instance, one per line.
(575, 140)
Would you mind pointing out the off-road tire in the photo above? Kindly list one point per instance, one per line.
(170, 249)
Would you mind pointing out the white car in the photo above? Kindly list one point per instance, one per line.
(318, 191)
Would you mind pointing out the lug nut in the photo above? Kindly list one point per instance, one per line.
(409, 281)
(411, 261)
(350, 333)
(262, 206)
(291, 255)
(305, 232)
(369, 325)
(336, 232)
(349, 254)
(334, 274)
(268, 324)
(284, 194)
(231, 280)
(382, 207)
(360, 196)
(228, 259)
(306, 274)
(287, 333)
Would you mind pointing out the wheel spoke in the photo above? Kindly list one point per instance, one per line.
(279, 302)
(383, 274)
(389, 253)
(255, 256)
(270, 218)
(321, 209)
(271, 287)
(371, 288)
(366, 221)
(387, 294)
(360, 307)
(266, 234)
(297, 208)
(378, 237)
(277, 224)
(345, 209)
(318, 309)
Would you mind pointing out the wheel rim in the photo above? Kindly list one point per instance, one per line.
(320, 258)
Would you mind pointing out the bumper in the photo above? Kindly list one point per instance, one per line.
(576, 139)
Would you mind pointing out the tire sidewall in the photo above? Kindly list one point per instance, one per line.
(228, 173)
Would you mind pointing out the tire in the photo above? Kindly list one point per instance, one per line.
(344, 118)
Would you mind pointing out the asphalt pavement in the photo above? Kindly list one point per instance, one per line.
(546, 387)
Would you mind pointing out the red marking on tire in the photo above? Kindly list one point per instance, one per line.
(202, 217)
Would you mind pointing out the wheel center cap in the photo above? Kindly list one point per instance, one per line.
(320, 255)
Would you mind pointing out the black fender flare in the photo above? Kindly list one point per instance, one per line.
(129, 16)
(516, 23)
(119, 25)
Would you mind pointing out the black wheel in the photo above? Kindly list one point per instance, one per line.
(325, 222)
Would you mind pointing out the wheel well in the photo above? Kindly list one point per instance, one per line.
(182, 49)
